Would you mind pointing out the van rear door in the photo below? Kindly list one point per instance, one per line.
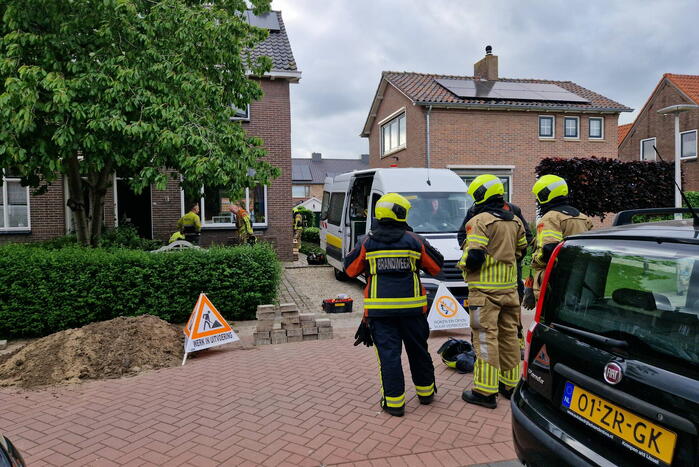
(614, 360)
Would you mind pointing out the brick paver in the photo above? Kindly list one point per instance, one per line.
(309, 403)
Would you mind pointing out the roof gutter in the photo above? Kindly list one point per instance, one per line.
(292, 76)
(558, 108)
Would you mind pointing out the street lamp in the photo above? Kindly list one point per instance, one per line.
(676, 110)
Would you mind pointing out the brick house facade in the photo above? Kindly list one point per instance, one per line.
(155, 212)
(650, 126)
(478, 135)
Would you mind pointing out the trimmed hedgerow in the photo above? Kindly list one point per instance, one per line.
(311, 235)
(599, 186)
(43, 291)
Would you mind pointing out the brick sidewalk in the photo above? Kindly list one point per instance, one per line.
(308, 403)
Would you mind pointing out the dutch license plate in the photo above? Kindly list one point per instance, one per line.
(637, 434)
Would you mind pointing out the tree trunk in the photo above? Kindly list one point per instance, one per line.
(98, 190)
(76, 201)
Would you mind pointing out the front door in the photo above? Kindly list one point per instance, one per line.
(134, 209)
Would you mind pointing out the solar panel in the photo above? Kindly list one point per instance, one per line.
(503, 90)
(268, 20)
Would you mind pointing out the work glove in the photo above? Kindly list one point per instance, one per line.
(529, 301)
(363, 335)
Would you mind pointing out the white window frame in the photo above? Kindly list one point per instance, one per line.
(227, 225)
(387, 121)
(500, 171)
(577, 119)
(696, 140)
(553, 126)
(306, 190)
(589, 127)
(5, 211)
(640, 149)
(246, 118)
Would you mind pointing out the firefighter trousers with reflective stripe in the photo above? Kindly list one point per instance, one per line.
(494, 319)
(389, 335)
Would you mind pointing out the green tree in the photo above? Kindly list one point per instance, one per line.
(93, 87)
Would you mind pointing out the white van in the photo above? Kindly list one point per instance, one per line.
(439, 204)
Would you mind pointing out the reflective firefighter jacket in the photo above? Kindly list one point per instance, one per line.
(503, 241)
(554, 226)
(190, 220)
(244, 227)
(391, 257)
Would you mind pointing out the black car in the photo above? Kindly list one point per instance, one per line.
(611, 368)
(9, 455)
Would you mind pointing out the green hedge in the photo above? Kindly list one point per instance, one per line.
(307, 248)
(43, 291)
(311, 235)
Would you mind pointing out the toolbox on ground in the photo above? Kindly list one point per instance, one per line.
(337, 305)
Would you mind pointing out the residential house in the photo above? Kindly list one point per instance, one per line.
(24, 217)
(651, 128)
(308, 175)
(485, 123)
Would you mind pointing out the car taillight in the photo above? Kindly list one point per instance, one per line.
(539, 307)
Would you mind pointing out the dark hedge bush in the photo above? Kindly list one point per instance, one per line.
(311, 235)
(307, 248)
(599, 186)
(43, 291)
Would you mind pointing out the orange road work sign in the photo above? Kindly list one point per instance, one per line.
(206, 327)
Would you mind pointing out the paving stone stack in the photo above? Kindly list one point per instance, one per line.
(285, 324)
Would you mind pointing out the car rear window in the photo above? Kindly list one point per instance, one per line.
(642, 292)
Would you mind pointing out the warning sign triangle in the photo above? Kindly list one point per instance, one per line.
(446, 311)
(206, 327)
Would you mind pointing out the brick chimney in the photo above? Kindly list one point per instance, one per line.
(487, 67)
(316, 156)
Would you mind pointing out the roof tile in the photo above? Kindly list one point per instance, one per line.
(278, 48)
(422, 88)
(323, 168)
(622, 131)
(688, 84)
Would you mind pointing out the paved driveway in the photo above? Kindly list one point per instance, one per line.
(308, 403)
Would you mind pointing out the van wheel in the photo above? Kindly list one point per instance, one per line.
(340, 275)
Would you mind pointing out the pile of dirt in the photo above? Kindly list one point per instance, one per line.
(108, 349)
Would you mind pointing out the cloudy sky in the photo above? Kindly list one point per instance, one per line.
(618, 48)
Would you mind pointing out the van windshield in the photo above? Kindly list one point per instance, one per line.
(437, 212)
(642, 292)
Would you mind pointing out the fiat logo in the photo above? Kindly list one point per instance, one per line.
(613, 373)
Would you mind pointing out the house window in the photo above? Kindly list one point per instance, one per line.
(215, 204)
(571, 125)
(596, 128)
(300, 191)
(14, 204)
(547, 126)
(688, 144)
(241, 114)
(393, 135)
(647, 152)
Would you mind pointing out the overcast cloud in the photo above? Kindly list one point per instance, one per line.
(617, 48)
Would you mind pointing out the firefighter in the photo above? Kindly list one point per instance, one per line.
(190, 224)
(495, 241)
(395, 304)
(461, 238)
(558, 220)
(245, 233)
(298, 226)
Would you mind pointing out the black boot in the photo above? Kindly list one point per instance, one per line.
(395, 411)
(505, 391)
(427, 400)
(473, 397)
